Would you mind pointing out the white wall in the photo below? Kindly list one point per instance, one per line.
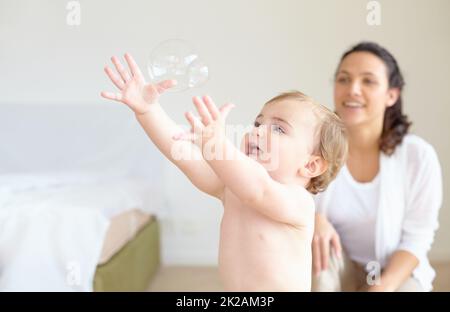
(255, 49)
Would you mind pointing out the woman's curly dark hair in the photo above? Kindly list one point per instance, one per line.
(395, 124)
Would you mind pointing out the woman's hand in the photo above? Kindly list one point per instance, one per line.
(325, 237)
(134, 92)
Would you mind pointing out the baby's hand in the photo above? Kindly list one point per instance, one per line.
(212, 123)
(134, 92)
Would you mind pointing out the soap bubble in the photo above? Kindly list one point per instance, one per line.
(197, 73)
(176, 59)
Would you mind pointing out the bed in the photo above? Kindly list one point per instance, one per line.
(81, 199)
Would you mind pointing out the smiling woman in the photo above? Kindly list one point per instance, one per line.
(383, 206)
(379, 65)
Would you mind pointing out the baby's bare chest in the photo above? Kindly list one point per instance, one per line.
(243, 225)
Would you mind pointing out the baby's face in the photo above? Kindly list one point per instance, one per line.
(282, 139)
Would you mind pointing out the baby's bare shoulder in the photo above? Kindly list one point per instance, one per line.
(300, 193)
(301, 198)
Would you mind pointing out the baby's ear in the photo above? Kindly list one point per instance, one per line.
(314, 167)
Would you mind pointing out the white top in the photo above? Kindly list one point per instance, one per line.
(355, 219)
(410, 196)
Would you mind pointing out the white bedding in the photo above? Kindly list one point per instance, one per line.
(63, 172)
(52, 227)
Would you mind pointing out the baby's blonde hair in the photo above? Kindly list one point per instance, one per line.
(331, 138)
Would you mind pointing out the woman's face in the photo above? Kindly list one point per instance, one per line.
(361, 90)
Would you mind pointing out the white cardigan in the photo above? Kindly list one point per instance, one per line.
(410, 199)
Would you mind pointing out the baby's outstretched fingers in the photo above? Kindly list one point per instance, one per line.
(165, 84)
(195, 123)
(202, 110)
(134, 68)
(226, 109)
(212, 108)
(112, 96)
(120, 69)
(118, 82)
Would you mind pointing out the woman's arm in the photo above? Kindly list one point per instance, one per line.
(325, 242)
(399, 268)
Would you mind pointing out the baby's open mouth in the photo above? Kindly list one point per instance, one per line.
(253, 149)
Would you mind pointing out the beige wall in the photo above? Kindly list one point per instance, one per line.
(255, 49)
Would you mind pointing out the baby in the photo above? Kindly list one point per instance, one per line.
(295, 149)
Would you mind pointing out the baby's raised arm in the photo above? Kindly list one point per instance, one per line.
(143, 99)
(243, 176)
(253, 185)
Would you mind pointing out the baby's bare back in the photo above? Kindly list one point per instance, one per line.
(259, 254)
